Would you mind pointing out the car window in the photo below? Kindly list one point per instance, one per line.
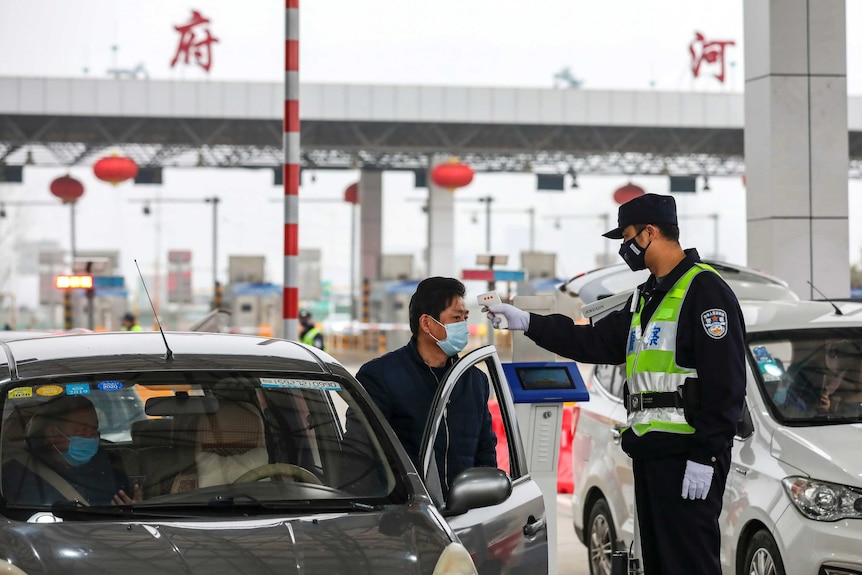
(199, 435)
(810, 377)
(612, 378)
(117, 411)
(502, 427)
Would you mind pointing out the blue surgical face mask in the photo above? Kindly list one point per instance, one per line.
(457, 335)
(633, 254)
(81, 449)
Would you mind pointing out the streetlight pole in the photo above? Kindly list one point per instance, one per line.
(715, 234)
(487, 201)
(3, 205)
(714, 218)
(214, 200)
(605, 217)
(72, 227)
(216, 299)
(353, 248)
(531, 211)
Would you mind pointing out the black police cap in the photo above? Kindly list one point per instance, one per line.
(645, 209)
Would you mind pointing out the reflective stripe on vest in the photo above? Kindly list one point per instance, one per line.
(651, 359)
(308, 338)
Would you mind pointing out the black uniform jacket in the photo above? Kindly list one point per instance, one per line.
(719, 361)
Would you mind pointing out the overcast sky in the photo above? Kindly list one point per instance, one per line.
(616, 44)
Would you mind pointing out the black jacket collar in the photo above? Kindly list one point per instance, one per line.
(654, 285)
(413, 349)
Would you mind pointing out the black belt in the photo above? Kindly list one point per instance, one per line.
(653, 400)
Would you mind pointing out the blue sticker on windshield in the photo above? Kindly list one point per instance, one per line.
(77, 389)
(284, 383)
(110, 385)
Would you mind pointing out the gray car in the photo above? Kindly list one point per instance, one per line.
(239, 454)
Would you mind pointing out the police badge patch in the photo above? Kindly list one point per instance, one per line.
(714, 322)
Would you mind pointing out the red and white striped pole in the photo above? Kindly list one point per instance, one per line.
(290, 306)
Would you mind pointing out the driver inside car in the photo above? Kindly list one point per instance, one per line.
(841, 392)
(63, 460)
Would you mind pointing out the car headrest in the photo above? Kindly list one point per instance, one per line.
(234, 428)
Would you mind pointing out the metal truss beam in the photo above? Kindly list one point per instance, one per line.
(172, 142)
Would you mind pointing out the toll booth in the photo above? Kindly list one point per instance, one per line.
(256, 308)
(390, 301)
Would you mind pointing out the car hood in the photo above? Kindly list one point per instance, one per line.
(827, 452)
(386, 542)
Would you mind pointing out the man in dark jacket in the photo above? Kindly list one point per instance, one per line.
(403, 383)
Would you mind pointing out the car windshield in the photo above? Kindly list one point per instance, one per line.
(810, 377)
(192, 439)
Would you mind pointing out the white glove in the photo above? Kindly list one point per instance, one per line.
(518, 319)
(697, 479)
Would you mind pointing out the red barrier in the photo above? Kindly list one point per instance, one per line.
(565, 481)
(500, 432)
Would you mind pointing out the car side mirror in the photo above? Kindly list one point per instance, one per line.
(477, 487)
(744, 426)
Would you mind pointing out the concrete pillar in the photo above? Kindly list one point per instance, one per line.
(796, 146)
(370, 224)
(441, 227)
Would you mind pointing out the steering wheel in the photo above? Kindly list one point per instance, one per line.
(287, 470)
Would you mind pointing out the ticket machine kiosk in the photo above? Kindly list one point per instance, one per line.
(540, 386)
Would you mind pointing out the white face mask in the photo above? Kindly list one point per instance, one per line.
(457, 335)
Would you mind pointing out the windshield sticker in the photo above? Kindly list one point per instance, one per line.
(20, 393)
(278, 382)
(49, 390)
(110, 385)
(77, 389)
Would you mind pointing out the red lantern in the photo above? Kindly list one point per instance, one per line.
(115, 169)
(351, 193)
(628, 192)
(452, 175)
(67, 188)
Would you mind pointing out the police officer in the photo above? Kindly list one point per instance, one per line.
(309, 335)
(130, 323)
(681, 336)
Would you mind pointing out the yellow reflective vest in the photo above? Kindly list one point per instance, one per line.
(651, 359)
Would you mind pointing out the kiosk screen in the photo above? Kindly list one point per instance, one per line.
(545, 378)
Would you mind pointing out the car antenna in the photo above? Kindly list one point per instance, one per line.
(837, 309)
(169, 355)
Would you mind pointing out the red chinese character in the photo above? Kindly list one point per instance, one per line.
(189, 43)
(711, 52)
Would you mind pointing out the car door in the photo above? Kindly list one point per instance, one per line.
(510, 537)
(598, 460)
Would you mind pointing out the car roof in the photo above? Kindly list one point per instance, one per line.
(9, 335)
(790, 315)
(53, 355)
(745, 282)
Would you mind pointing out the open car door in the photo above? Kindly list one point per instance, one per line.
(510, 536)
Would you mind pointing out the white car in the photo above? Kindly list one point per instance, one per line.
(615, 279)
(793, 502)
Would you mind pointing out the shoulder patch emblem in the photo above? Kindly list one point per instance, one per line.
(714, 323)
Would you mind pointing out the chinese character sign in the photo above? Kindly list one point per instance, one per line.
(711, 52)
(195, 40)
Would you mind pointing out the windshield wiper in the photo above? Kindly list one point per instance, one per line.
(230, 501)
(319, 505)
(74, 509)
(244, 501)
